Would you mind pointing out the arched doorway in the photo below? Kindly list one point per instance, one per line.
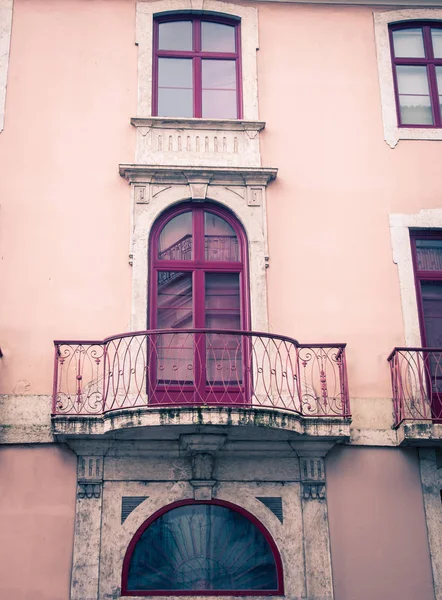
(198, 295)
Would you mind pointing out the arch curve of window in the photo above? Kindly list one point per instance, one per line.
(202, 548)
(205, 245)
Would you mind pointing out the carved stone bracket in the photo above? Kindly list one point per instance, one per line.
(89, 490)
(202, 449)
(89, 476)
(312, 478)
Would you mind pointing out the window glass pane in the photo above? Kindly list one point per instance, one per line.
(175, 87)
(436, 36)
(202, 547)
(217, 38)
(220, 241)
(175, 242)
(432, 307)
(439, 86)
(223, 351)
(414, 99)
(174, 352)
(222, 300)
(429, 255)
(408, 43)
(219, 89)
(176, 35)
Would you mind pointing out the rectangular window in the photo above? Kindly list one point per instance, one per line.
(197, 68)
(416, 50)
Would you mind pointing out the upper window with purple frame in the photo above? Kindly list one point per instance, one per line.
(416, 49)
(197, 67)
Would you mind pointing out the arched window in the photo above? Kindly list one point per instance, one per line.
(416, 49)
(207, 548)
(197, 68)
(198, 280)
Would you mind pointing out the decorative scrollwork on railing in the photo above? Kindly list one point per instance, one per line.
(200, 367)
(416, 379)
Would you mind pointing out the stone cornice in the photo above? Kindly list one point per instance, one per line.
(196, 124)
(138, 173)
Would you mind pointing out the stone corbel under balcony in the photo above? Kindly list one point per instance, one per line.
(183, 141)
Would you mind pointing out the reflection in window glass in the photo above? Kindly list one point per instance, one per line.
(175, 241)
(202, 547)
(175, 87)
(220, 241)
(439, 87)
(429, 255)
(219, 89)
(176, 35)
(414, 97)
(436, 36)
(216, 37)
(408, 43)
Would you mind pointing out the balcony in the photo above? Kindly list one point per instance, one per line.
(200, 376)
(416, 378)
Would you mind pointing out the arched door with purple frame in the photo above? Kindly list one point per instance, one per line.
(198, 293)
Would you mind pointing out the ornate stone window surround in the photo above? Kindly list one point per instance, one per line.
(242, 190)
(249, 44)
(5, 41)
(400, 225)
(392, 132)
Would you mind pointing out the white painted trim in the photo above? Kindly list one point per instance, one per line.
(393, 133)
(400, 225)
(5, 44)
(249, 46)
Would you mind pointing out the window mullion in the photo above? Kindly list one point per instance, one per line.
(197, 87)
(432, 83)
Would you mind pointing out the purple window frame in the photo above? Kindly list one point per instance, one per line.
(130, 549)
(422, 276)
(429, 62)
(197, 55)
(198, 265)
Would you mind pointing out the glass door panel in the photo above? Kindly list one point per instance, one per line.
(174, 311)
(431, 292)
(222, 311)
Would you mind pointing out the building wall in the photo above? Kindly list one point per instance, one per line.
(67, 129)
(378, 535)
(65, 210)
(37, 508)
(65, 225)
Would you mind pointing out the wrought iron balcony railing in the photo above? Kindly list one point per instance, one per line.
(200, 367)
(416, 379)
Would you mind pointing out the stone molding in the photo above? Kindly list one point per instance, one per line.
(145, 12)
(222, 143)
(179, 175)
(393, 133)
(71, 428)
(242, 190)
(6, 9)
(400, 225)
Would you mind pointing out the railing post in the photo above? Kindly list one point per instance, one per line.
(55, 384)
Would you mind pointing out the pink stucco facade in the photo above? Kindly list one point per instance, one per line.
(66, 233)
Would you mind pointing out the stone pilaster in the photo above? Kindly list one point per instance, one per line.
(431, 475)
(87, 536)
(318, 572)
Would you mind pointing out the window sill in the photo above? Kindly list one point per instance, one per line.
(395, 134)
(182, 141)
